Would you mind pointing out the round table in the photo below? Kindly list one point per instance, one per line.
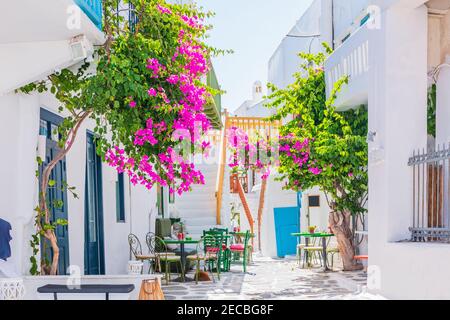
(182, 243)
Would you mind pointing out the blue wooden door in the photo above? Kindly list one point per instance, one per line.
(286, 222)
(57, 193)
(94, 242)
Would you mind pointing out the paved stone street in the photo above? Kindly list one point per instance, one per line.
(273, 279)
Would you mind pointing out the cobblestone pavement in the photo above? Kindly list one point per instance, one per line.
(268, 279)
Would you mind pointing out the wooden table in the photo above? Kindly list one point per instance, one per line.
(323, 236)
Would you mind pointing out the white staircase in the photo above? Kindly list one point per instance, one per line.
(197, 209)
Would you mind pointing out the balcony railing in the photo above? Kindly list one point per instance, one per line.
(431, 187)
(350, 59)
(93, 9)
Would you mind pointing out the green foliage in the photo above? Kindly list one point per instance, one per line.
(337, 140)
(103, 90)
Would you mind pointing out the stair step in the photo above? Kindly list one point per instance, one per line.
(197, 213)
(199, 221)
(199, 229)
(199, 208)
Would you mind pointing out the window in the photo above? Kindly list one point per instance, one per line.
(120, 198)
(160, 200)
(314, 201)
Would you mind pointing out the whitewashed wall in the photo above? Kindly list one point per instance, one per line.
(285, 61)
(19, 127)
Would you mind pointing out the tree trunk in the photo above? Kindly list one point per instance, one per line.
(340, 226)
(50, 235)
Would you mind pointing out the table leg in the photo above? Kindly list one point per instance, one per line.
(183, 278)
(183, 261)
(306, 252)
(324, 254)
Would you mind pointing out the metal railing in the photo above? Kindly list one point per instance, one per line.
(93, 9)
(431, 187)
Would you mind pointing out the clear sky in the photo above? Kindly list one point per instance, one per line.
(253, 29)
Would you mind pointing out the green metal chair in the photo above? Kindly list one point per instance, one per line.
(209, 251)
(242, 250)
(315, 252)
(226, 254)
(168, 258)
(301, 247)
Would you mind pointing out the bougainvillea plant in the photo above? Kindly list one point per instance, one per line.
(147, 98)
(250, 151)
(324, 148)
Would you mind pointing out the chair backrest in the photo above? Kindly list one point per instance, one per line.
(224, 230)
(220, 234)
(212, 243)
(150, 239)
(163, 228)
(135, 245)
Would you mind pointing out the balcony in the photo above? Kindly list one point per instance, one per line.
(51, 20)
(38, 36)
(350, 59)
(93, 9)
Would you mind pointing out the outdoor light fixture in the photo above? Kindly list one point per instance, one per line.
(81, 48)
(376, 151)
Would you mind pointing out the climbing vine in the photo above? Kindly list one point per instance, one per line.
(146, 94)
(322, 147)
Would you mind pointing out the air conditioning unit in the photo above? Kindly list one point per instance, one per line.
(81, 48)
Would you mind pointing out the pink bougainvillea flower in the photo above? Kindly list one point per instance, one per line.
(152, 92)
(314, 170)
(133, 104)
(173, 79)
(163, 10)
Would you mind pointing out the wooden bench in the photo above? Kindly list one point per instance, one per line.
(106, 289)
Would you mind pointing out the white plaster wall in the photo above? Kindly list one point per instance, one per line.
(318, 215)
(19, 124)
(397, 112)
(285, 61)
(443, 105)
(275, 198)
(409, 270)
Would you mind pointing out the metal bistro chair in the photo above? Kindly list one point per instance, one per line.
(225, 259)
(136, 250)
(209, 250)
(301, 247)
(315, 252)
(166, 257)
(150, 239)
(243, 250)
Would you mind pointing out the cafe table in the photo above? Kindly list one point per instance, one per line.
(238, 235)
(182, 243)
(323, 236)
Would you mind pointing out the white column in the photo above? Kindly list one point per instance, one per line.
(443, 105)
(397, 113)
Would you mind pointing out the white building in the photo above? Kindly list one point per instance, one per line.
(36, 45)
(47, 38)
(256, 106)
(392, 52)
(307, 35)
